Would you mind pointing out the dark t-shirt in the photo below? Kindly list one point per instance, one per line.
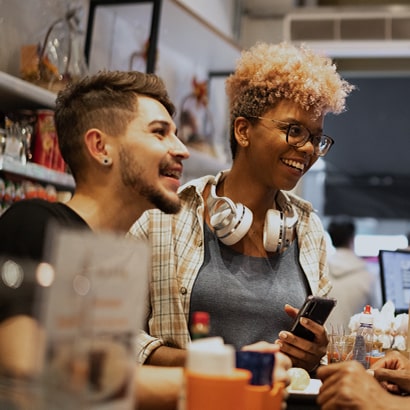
(23, 232)
(23, 226)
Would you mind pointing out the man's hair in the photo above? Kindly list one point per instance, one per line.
(268, 73)
(108, 101)
(341, 230)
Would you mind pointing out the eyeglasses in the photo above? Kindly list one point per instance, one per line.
(297, 136)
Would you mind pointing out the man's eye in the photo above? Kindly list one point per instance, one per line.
(160, 131)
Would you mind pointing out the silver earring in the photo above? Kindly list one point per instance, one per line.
(107, 161)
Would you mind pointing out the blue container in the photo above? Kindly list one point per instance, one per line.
(259, 364)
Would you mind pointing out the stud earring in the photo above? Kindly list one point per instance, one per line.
(107, 161)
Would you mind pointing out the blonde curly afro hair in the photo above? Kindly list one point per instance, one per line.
(268, 73)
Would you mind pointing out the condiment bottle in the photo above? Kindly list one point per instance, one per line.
(200, 325)
(363, 346)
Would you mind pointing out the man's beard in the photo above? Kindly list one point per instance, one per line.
(159, 200)
(132, 177)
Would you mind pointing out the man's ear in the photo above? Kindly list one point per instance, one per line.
(96, 145)
(241, 127)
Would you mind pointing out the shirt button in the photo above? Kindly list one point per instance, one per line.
(183, 291)
(199, 243)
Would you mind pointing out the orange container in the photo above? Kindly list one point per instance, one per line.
(264, 397)
(207, 392)
(374, 359)
(256, 397)
(275, 397)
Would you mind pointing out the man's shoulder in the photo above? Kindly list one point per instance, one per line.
(24, 226)
(31, 208)
(26, 206)
(38, 211)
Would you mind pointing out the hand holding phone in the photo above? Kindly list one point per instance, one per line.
(314, 308)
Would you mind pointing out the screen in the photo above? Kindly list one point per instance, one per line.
(395, 278)
(379, 188)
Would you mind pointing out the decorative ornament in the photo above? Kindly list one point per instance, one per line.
(138, 59)
(196, 123)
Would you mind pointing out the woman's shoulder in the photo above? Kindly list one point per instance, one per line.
(299, 203)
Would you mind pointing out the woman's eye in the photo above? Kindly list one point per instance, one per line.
(295, 130)
(318, 140)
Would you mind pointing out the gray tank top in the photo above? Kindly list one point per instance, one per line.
(245, 295)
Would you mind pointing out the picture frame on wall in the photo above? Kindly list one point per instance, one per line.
(219, 107)
(122, 35)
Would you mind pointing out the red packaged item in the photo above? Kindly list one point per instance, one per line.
(45, 139)
(58, 161)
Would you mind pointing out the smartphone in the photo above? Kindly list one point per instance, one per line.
(314, 308)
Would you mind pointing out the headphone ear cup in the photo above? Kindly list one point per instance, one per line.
(272, 230)
(232, 225)
(278, 229)
(221, 219)
(230, 221)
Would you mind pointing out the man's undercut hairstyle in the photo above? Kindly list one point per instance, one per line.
(107, 101)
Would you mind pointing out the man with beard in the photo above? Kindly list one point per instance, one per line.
(116, 133)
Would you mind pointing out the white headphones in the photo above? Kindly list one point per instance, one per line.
(231, 221)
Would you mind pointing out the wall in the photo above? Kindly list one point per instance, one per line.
(220, 13)
(269, 30)
(26, 22)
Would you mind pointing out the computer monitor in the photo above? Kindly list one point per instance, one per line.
(395, 278)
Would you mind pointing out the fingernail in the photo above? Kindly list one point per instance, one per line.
(283, 335)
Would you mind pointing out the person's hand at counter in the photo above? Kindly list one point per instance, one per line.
(22, 343)
(349, 386)
(393, 372)
(304, 353)
(282, 362)
(158, 388)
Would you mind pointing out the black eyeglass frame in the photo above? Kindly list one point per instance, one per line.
(329, 141)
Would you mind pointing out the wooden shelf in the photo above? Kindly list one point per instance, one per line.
(19, 94)
(38, 173)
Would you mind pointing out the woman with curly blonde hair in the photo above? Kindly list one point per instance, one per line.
(242, 248)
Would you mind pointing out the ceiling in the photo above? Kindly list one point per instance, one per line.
(270, 8)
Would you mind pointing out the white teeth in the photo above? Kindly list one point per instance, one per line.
(294, 164)
(173, 174)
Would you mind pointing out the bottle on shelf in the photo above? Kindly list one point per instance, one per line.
(14, 144)
(200, 325)
(363, 345)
